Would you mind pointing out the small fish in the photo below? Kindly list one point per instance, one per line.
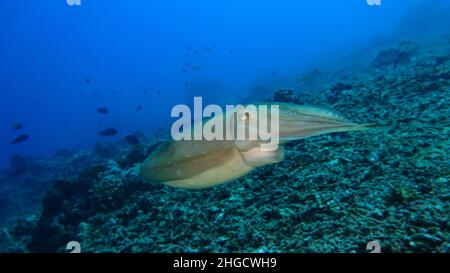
(87, 80)
(139, 108)
(102, 110)
(17, 126)
(132, 140)
(184, 70)
(20, 139)
(108, 132)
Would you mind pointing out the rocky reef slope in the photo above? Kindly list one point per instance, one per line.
(332, 193)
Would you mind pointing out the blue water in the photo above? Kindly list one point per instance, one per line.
(48, 49)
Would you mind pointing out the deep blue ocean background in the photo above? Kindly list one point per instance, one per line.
(68, 73)
(59, 63)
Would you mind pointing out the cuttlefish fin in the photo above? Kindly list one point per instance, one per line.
(174, 160)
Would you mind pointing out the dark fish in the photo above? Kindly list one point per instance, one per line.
(20, 139)
(139, 108)
(87, 80)
(184, 70)
(132, 139)
(108, 132)
(17, 126)
(102, 110)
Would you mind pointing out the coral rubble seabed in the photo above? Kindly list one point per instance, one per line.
(332, 193)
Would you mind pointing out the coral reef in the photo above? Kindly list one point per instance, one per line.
(25, 184)
(332, 193)
(285, 95)
(395, 56)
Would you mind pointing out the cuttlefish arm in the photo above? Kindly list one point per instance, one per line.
(197, 164)
(297, 122)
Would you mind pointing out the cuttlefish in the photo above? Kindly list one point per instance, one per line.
(198, 164)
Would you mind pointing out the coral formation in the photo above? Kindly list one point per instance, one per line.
(332, 193)
(395, 56)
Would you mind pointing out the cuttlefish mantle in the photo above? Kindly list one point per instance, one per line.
(197, 164)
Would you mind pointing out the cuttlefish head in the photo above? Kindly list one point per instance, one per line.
(284, 123)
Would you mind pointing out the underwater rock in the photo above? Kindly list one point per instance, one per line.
(311, 76)
(395, 56)
(137, 154)
(24, 227)
(64, 153)
(18, 164)
(388, 57)
(285, 95)
(341, 87)
(105, 149)
(92, 172)
(5, 203)
(132, 139)
(441, 60)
